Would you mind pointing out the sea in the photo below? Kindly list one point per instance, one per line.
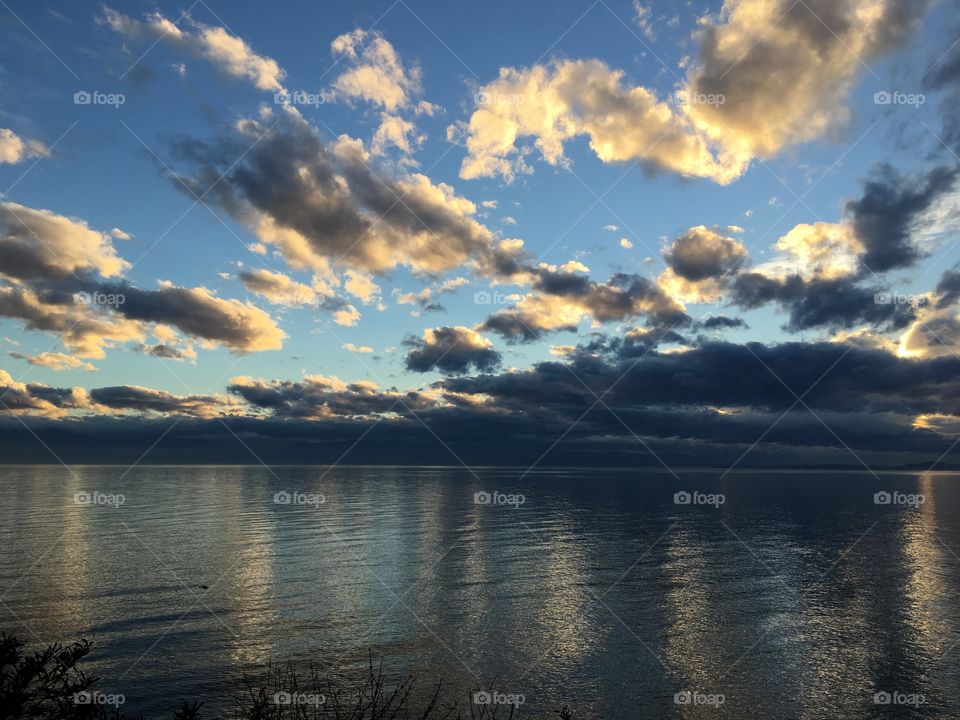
(616, 593)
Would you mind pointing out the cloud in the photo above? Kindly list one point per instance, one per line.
(55, 361)
(451, 350)
(319, 396)
(821, 302)
(148, 401)
(397, 132)
(325, 204)
(701, 253)
(85, 330)
(241, 327)
(58, 275)
(357, 348)
(722, 322)
(346, 315)
(41, 245)
(768, 75)
(935, 333)
(560, 300)
(18, 398)
(167, 352)
(562, 100)
(375, 73)
(703, 405)
(14, 149)
(784, 69)
(826, 274)
(277, 287)
(228, 53)
(361, 286)
(891, 205)
(642, 16)
(818, 250)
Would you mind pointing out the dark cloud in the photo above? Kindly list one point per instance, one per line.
(451, 350)
(147, 400)
(560, 299)
(722, 322)
(890, 204)
(948, 289)
(701, 253)
(162, 350)
(322, 397)
(821, 302)
(346, 209)
(239, 326)
(704, 406)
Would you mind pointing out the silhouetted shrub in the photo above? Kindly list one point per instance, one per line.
(49, 685)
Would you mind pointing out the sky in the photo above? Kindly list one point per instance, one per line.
(619, 233)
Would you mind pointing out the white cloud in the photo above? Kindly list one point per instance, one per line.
(768, 75)
(375, 72)
(55, 361)
(14, 149)
(228, 53)
(361, 286)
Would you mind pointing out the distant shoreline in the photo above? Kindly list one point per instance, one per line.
(803, 469)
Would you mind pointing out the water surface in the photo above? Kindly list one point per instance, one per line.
(797, 597)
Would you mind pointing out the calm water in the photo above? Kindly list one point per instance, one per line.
(798, 597)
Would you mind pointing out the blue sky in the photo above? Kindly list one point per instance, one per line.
(799, 150)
